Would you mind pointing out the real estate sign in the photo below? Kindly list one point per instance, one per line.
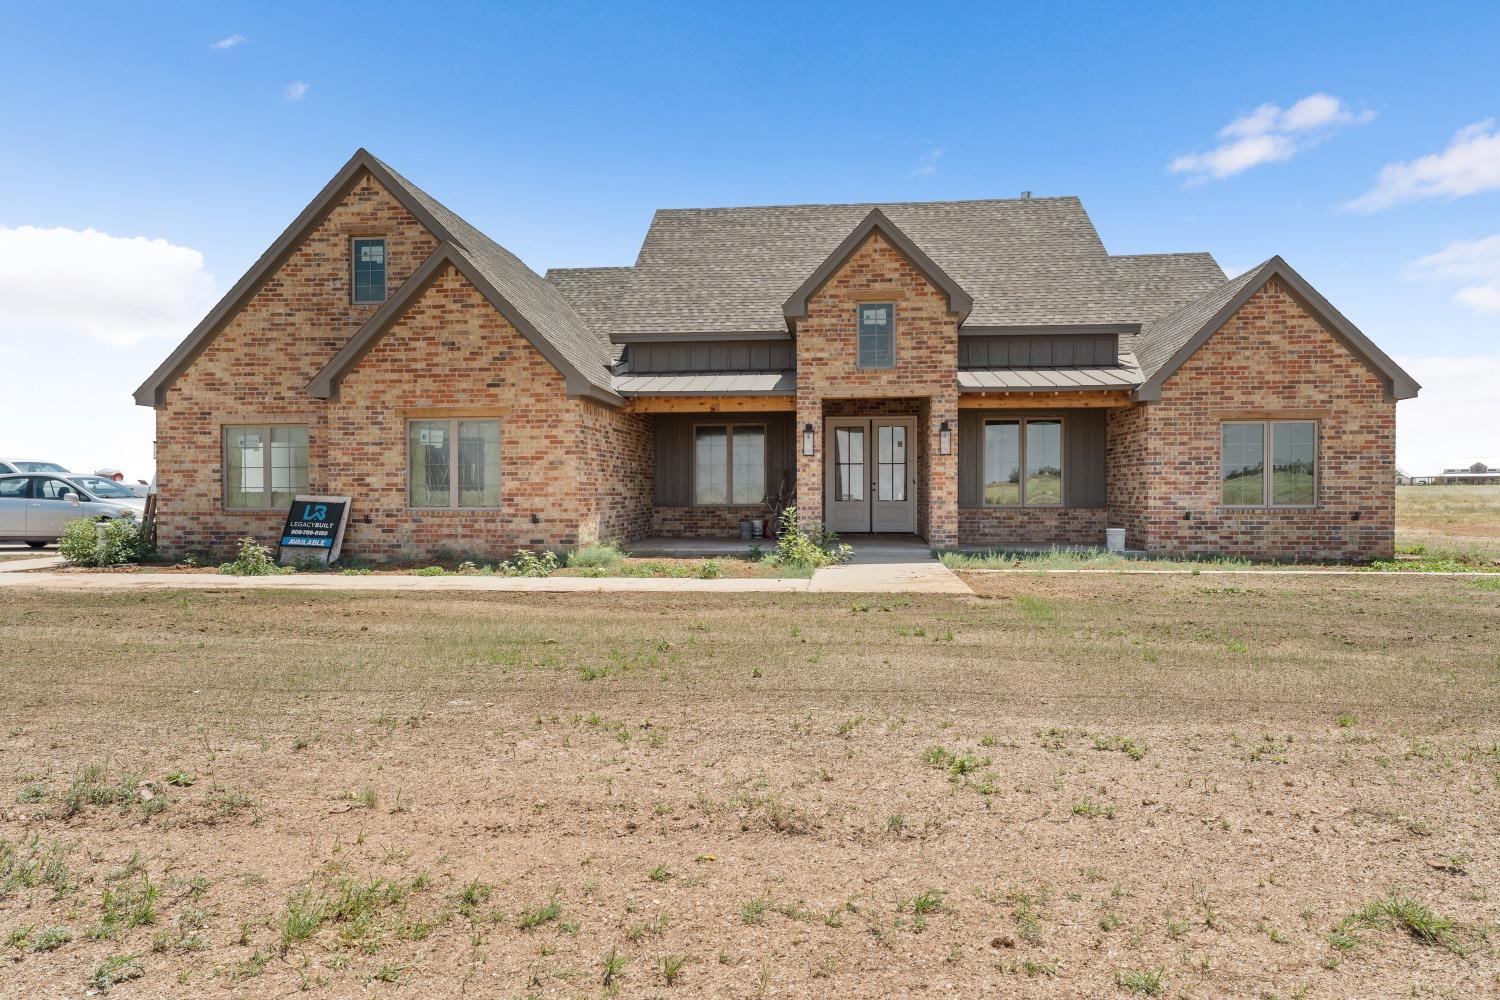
(314, 529)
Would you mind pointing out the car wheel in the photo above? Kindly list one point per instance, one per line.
(38, 545)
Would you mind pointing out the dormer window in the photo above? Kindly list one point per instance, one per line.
(369, 270)
(877, 335)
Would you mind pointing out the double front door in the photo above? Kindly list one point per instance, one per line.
(870, 464)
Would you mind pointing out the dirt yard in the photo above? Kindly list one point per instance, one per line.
(1447, 517)
(1069, 786)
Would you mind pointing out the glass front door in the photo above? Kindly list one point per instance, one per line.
(871, 470)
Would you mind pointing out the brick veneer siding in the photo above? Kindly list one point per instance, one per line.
(1127, 470)
(1270, 360)
(926, 355)
(705, 521)
(1002, 526)
(453, 355)
(256, 370)
(617, 451)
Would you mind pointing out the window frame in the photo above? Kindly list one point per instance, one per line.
(452, 423)
(730, 426)
(1268, 463)
(385, 269)
(859, 360)
(265, 470)
(1061, 420)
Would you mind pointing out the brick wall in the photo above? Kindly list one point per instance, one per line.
(1270, 360)
(1001, 526)
(926, 353)
(617, 451)
(257, 368)
(705, 521)
(1128, 465)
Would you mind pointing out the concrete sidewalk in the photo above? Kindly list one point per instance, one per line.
(878, 567)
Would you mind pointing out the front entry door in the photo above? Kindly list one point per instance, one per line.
(871, 469)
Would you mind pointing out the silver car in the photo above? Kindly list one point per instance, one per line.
(36, 508)
(9, 465)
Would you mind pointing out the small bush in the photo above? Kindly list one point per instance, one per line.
(120, 540)
(528, 563)
(808, 548)
(254, 559)
(600, 555)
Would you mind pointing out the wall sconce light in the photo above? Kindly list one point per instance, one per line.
(945, 439)
(807, 438)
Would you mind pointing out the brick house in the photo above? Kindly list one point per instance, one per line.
(978, 373)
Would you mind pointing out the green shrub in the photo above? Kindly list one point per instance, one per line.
(429, 571)
(112, 542)
(803, 547)
(711, 569)
(528, 563)
(254, 559)
(600, 555)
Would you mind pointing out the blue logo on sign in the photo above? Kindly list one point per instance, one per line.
(315, 512)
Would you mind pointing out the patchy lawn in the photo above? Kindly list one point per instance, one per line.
(1439, 518)
(1071, 786)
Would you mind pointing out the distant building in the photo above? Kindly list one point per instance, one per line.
(1477, 474)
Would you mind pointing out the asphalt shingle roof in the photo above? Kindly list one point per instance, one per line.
(1026, 261)
(1165, 336)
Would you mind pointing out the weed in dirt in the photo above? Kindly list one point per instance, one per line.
(613, 964)
(92, 786)
(49, 939)
(1346, 720)
(114, 970)
(1026, 911)
(538, 915)
(1089, 809)
(1147, 982)
(925, 902)
(659, 874)
(671, 968)
(753, 912)
(26, 866)
(125, 908)
(1122, 744)
(34, 792)
(1406, 914)
(895, 823)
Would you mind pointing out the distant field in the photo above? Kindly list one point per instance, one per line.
(1179, 786)
(1465, 518)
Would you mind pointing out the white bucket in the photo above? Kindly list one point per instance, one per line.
(1114, 539)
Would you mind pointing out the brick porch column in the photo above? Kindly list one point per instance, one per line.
(941, 488)
(809, 467)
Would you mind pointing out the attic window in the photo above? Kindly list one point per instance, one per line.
(369, 271)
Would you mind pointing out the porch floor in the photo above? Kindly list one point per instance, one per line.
(868, 549)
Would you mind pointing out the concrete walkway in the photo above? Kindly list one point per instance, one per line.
(878, 567)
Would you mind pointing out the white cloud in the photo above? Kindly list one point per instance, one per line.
(1470, 164)
(1269, 134)
(1452, 422)
(296, 90)
(120, 290)
(1473, 263)
(927, 163)
(228, 43)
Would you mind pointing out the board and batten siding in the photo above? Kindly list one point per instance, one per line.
(1055, 350)
(674, 451)
(726, 356)
(1083, 454)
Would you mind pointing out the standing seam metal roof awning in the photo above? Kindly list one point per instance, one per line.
(1046, 379)
(782, 383)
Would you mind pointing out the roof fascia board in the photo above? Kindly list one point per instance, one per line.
(1072, 329)
(152, 391)
(325, 384)
(960, 302)
(671, 338)
(1399, 384)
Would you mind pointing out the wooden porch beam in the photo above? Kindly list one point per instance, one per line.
(711, 404)
(1001, 400)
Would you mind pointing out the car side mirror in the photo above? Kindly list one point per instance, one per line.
(70, 495)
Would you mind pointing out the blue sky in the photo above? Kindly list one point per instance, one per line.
(559, 128)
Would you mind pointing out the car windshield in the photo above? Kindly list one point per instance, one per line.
(38, 467)
(101, 487)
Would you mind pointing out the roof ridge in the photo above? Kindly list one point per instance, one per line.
(870, 204)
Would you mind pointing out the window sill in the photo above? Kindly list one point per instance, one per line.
(1265, 508)
(455, 510)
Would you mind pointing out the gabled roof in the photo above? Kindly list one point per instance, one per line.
(1164, 345)
(543, 309)
(594, 293)
(1154, 284)
(960, 302)
(1025, 262)
(559, 335)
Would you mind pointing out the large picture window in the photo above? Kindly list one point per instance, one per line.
(729, 464)
(265, 466)
(877, 335)
(1286, 449)
(453, 463)
(1023, 462)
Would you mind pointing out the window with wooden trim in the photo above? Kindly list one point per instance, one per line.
(453, 464)
(729, 464)
(1292, 449)
(265, 465)
(877, 334)
(368, 270)
(1023, 464)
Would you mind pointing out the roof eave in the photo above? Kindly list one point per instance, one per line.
(1399, 384)
(152, 391)
(960, 302)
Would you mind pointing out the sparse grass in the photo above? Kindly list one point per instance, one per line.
(1146, 982)
(536, 916)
